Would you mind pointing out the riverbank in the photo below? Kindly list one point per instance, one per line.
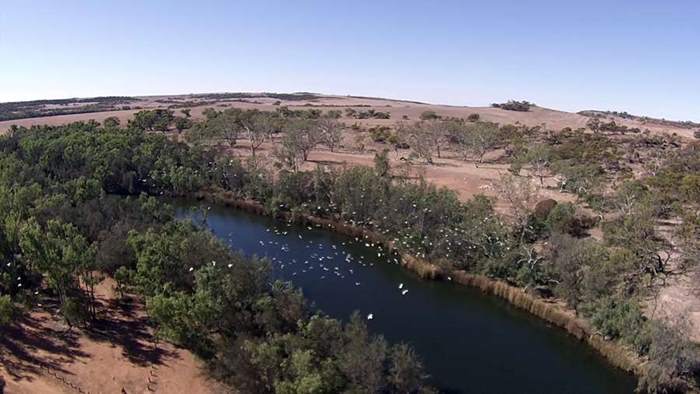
(553, 312)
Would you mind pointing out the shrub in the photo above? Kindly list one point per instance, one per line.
(381, 163)
(620, 318)
(473, 117)
(7, 310)
(429, 115)
(673, 361)
(380, 133)
(563, 219)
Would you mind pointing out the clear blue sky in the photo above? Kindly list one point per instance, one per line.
(635, 55)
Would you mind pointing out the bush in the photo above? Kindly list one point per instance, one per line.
(673, 361)
(473, 117)
(7, 310)
(74, 311)
(429, 115)
(563, 219)
(380, 133)
(621, 318)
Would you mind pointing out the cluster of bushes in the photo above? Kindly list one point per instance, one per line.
(596, 125)
(513, 105)
(158, 120)
(368, 114)
(75, 206)
(381, 134)
(678, 178)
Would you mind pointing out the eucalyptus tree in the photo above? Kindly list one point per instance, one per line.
(331, 132)
(301, 136)
(259, 127)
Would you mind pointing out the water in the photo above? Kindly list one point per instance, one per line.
(469, 342)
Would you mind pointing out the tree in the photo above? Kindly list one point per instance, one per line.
(60, 252)
(158, 119)
(421, 139)
(225, 125)
(122, 276)
(331, 132)
(182, 123)
(673, 360)
(437, 132)
(636, 231)
(381, 163)
(7, 310)
(259, 127)
(572, 261)
(301, 136)
(361, 359)
(477, 139)
(538, 159)
(405, 371)
(111, 123)
(521, 196)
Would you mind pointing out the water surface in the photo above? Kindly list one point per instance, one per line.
(469, 342)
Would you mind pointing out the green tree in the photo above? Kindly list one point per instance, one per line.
(182, 123)
(60, 252)
(301, 136)
(477, 140)
(111, 123)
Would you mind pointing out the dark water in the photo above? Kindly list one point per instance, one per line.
(469, 342)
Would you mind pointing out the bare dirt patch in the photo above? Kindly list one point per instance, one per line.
(118, 354)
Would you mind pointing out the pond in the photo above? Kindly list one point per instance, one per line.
(469, 342)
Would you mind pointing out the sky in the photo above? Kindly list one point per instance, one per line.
(638, 56)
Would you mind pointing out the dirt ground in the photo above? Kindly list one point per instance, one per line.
(117, 355)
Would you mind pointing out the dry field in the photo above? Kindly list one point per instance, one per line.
(553, 119)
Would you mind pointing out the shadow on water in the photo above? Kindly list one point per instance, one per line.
(469, 342)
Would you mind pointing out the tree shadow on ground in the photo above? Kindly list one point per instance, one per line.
(34, 343)
(121, 325)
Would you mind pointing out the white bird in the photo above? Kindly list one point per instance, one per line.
(191, 269)
(401, 286)
(370, 316)
(403, 293)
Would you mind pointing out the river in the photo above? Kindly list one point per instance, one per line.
(469, 342)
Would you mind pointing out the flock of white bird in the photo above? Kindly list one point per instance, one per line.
(327, 260)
